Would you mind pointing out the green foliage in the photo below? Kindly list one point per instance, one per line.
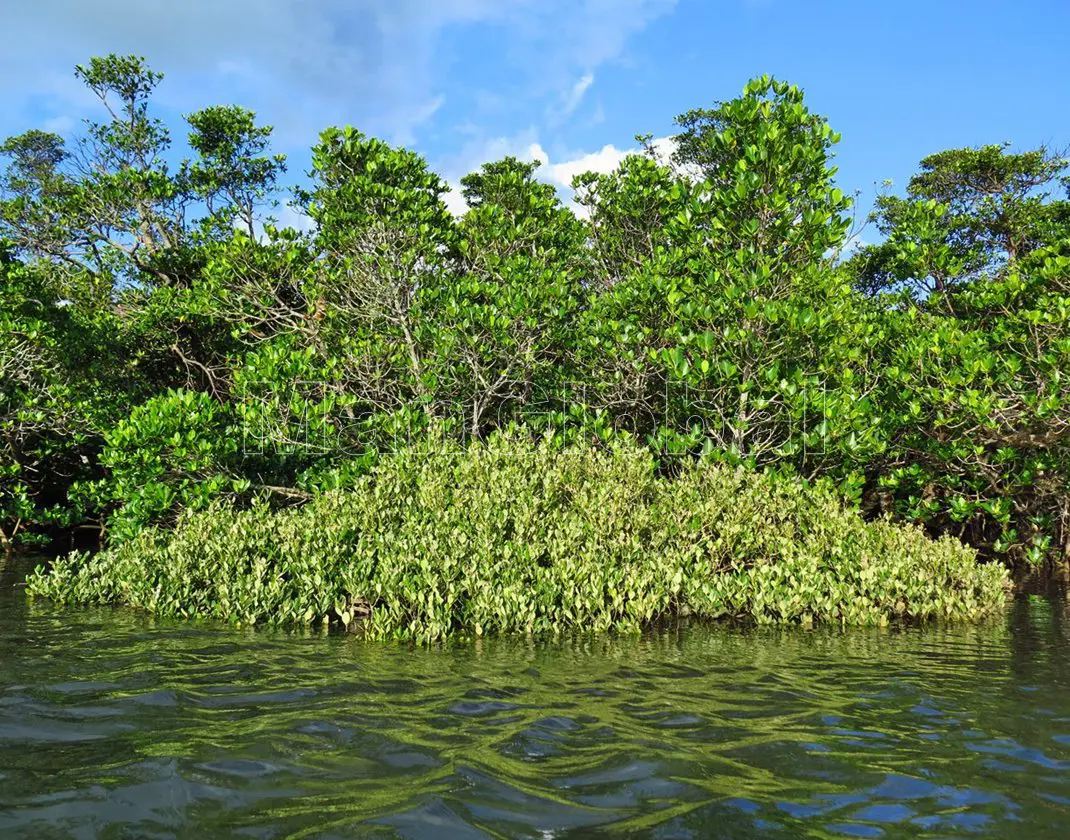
(980, 406)
(163, 347)
(233, 176)
(63, 379)
(765, 162)
(512, 537)
(629, 214)
(974, 277)
(969, 213)
(723, 329)
(506, 316)
(171, 453)
(115, 213)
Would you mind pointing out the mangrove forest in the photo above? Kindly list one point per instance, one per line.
(691, 389)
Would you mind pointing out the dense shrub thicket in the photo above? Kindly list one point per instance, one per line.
(515, 537)
(162, 349)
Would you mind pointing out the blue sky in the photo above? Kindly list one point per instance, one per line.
(567, 81)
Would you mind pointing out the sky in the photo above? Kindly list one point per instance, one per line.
(567, 82)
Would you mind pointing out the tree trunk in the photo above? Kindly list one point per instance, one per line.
(1064, 526)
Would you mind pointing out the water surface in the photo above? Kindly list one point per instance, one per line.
(115, 725)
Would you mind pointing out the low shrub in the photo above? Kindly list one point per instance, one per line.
(519, 537)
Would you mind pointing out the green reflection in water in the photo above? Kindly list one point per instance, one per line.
(112, 724)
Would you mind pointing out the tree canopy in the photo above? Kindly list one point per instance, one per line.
(165, 345)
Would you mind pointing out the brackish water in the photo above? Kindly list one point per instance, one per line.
(116, 726)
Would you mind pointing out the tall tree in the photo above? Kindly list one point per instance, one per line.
(110, 210)
(766, 161)
(968, 214)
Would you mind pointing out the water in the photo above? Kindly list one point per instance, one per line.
(113, 725)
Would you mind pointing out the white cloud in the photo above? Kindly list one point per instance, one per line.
(454, 200)
(606, 159)
(477, 151)
(288, 216)
(525, 146)
(575, 96)
(589, 33)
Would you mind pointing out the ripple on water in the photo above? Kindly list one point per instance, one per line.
(113, 725)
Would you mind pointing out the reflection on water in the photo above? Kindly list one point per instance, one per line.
(112, 725)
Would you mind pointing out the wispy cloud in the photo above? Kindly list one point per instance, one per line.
(306, 64)
(377, 64)
(574, 96)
